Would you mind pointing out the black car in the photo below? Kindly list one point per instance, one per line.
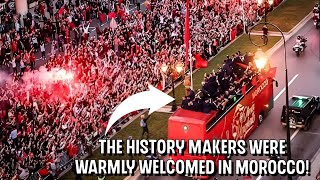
(301, 111)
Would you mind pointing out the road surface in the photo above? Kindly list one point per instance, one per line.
(303, 73)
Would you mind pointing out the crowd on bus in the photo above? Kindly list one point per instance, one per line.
(219, 88)
(45, 121)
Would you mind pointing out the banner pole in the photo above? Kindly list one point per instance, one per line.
(190, 62)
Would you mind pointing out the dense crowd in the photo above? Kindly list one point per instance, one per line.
(50, 115)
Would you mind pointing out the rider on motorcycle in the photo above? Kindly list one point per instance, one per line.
(316, 12)
(316, 8)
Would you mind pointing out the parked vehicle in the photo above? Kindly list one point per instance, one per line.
(301, 111)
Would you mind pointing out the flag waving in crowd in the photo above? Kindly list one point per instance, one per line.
(200, 62)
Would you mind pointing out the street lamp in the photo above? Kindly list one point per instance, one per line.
(266, 3)
(178, 67)
(259, 58)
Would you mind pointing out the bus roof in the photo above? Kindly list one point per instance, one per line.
(183, 115)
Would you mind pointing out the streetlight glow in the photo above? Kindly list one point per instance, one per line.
(270, 2)
(164, 67)
(260, 59)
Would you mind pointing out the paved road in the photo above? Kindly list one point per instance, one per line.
(305, 69)
(303, 73)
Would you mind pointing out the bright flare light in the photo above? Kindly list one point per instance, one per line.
(164, 67)
(270, 2)
(260, 59)
(260, 2)
(62, 75)
(179, 67)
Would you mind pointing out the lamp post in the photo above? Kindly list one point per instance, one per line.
(261, 61)
(266, 3)
(242, 17)
(170, 70)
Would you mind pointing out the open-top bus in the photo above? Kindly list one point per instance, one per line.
(237, 122)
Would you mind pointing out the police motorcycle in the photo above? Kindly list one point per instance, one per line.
(300, 45)
(316, 16)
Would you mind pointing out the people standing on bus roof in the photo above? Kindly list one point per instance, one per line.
(192, 94)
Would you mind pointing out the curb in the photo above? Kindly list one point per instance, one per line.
(271, 33)
(301, 23)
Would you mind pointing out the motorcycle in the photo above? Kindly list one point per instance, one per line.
(300, 46)
(297, 49)
(316, 16)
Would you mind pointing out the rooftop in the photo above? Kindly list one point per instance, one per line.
(299, 101)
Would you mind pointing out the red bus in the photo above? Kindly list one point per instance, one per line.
(237, 122)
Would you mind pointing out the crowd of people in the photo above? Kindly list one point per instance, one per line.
(220, 88)
(52, 113)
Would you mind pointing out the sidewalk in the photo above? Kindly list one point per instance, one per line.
(271, 33)
(165, 109)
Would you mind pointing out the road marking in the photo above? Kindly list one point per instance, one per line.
(294, 134)
(313, 133)
(283, 90)
(259, 177)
